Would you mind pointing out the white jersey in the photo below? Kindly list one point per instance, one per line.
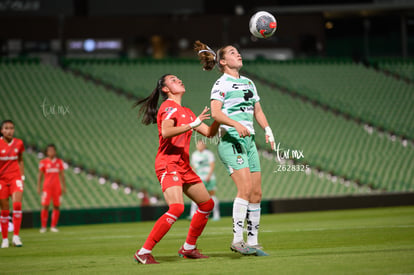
(238, 95)
(201, 163)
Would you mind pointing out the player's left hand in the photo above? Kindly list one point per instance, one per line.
(269, 137)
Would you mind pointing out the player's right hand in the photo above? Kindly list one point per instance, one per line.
(204, 115)
(200, 118)
(243, 131)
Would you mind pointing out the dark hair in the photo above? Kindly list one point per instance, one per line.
(149, 108)
(208, 58)
(50, 145)
(4, 122)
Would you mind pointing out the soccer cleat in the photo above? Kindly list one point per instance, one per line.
(16, 241)
(5, 243)
(43, 230)
(191, 254)
(145, 258)
(242, 248)
(259, 250)
(54, 229)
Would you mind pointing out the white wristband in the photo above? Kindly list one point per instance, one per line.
(195, 123)
(269, 132)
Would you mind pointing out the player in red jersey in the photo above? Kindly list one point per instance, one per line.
(172, 165)
(51, 168)
(11, 181)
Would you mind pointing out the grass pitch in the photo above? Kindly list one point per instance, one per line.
(368, 241)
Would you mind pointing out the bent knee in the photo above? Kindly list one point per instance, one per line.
(176, 209)
(206, 206)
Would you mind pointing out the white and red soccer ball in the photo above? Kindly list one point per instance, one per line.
(262, 24)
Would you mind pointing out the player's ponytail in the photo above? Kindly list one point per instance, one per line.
(2, 124)
(149, 108)
(208, 58)
(206, 54)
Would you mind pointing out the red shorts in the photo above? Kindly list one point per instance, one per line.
(51, 194)
(10, 185)
(177, 178)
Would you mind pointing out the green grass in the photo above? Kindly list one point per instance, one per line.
(368, 241)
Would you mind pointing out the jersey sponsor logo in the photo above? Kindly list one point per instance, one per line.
(218, 82)
(242, 86)
(240, 160)
(52, 170)
(8, 158)
(248, 108)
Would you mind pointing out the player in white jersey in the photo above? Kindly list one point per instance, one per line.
(203, 162)
(234, 104)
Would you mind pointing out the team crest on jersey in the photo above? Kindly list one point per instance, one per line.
(16, 150)
(175, 178)
(240, 160)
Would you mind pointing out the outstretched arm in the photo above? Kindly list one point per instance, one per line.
(169, 130)
(208, 131)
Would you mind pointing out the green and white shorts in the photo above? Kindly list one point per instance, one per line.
(238, 153)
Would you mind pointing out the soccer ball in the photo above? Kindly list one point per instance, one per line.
(262, 24)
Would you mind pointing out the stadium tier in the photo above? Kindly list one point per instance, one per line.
(97, 129)
(401, 67)
(361, 92)
(329, 142)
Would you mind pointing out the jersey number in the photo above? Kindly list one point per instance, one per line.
(237, 148)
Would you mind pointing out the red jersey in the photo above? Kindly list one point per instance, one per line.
(51, 170)
(9, 155)
(174, 152)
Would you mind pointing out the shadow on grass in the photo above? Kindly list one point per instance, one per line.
(211, 256)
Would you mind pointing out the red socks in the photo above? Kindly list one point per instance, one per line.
(163, 225)
(4, 220)
(199, 221)
(44, 215)
(17, 217)
(55, 217)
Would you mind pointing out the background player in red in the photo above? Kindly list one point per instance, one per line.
(11, 181)
(172, 165)
(51, 168)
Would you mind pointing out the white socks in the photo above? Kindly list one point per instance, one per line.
(253, 220)
(189, 246)
(216, 209)
(143, 251)
(239, 215)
